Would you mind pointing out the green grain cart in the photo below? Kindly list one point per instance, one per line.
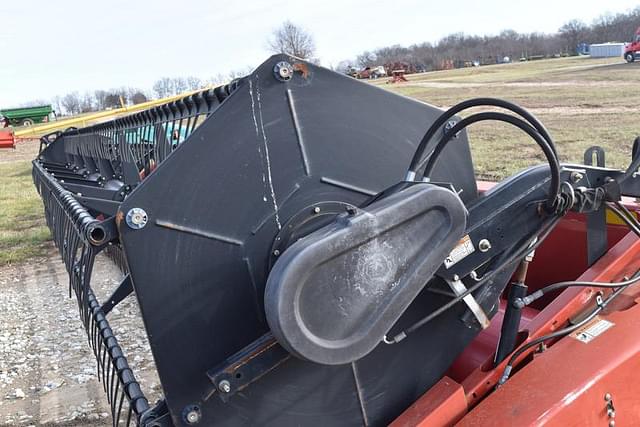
(26, 116)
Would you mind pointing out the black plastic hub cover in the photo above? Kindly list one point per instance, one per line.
(334, 294)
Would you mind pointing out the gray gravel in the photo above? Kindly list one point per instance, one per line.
(47, 370)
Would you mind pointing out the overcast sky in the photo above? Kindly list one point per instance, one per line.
(50, 48)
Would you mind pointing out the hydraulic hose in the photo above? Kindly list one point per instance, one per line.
(475, 102)
(547, 149)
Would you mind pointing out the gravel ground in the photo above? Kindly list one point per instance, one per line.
(47, 370)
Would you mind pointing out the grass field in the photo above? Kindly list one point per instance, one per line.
(582, 102)
(23, 233)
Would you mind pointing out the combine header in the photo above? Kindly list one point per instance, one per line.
(307, 249)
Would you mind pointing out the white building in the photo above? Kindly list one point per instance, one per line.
(606, 50)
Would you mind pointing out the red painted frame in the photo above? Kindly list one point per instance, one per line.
(566, 384)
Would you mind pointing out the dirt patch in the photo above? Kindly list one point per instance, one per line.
(579, 83)
(47, 370)
(26, 149)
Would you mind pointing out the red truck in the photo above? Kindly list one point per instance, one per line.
(632, 50)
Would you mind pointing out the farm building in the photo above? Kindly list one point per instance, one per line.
(606, 50)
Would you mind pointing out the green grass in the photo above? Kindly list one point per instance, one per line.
(23, 233)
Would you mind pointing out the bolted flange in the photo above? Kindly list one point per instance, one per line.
(136, 218)
(283, 71)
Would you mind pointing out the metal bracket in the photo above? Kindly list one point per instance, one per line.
(596, 235)
(124, 289)
(459, 288)
(599, 154)
(247, 365)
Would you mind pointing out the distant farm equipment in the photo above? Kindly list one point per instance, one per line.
(372, 72)
(367, 72)
(26, 116)
(397, 76)
(6, 139)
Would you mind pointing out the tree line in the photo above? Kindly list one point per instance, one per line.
(77, 103)
(454, 50)
(458, 49)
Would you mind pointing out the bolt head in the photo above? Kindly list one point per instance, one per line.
(276, 252)
(484, 245)
(193, 417)
(576, 176)
(316, 210)
(607, 397)
(224, 386)
(136, 218)
(192, 414)
(283, 71)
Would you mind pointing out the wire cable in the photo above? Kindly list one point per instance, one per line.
(522, 302)
(632, 218)
(634, 226)
(528, 246)
(559, 333)
(527, 300)
(617, 286)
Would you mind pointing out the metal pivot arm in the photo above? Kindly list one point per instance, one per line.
(124, 289)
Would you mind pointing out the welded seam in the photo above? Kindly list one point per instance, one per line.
(354, 370)
(346, 186)
(296, 126)
(196, 232)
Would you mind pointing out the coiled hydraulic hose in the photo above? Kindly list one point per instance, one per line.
(417, 159)
(547, 149)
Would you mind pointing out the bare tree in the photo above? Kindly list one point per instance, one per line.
(572, 32)
(292, 40)
(57, 103)
(163, 87)
(367, 59)
(112, 100)
(343, 66)
(100, 96)
(194, 83)
(71, 103)
(138, 97)
(217, 80)
(87, 103)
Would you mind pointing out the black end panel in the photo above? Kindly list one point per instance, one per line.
(334, 294)
(271, 150)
